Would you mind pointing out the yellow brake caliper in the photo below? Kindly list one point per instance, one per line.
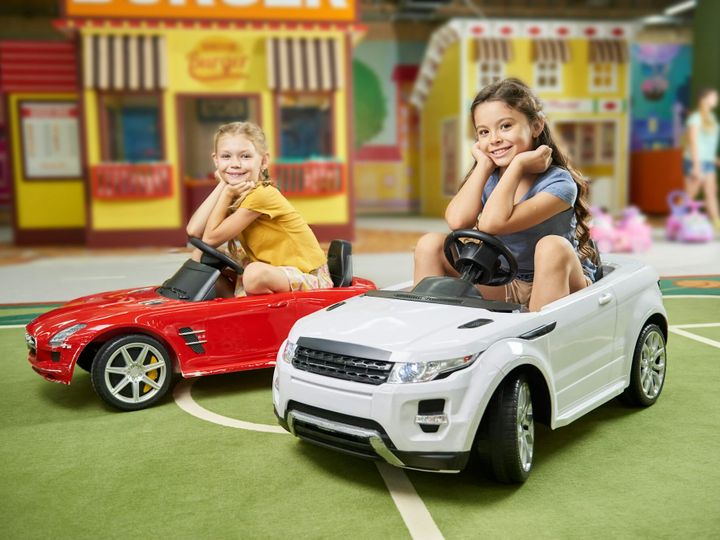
(152, 375)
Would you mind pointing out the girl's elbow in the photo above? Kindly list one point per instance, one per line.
(488, 227)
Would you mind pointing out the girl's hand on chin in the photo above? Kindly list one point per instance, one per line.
(240, 190)
(481, 158)
(535, 161)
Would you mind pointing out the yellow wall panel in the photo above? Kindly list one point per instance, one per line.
(43, 204)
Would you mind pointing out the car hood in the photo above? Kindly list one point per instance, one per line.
(411, 328)
(99, 309)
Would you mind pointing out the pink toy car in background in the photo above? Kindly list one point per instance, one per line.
(630, 234)
(686, 223)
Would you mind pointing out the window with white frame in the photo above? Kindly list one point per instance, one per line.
(603, 77)
(490, 71)
(548, 75)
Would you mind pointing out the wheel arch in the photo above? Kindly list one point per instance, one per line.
(539, 390)
(659, 320)
(89, 352)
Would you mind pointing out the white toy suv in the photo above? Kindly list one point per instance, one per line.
(423, 378)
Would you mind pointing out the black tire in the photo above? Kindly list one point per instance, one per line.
(510, 431)
(132, 372)
(647, 373)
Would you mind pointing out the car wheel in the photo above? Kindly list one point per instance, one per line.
(511, 431)
(131, 372)
(647, 373)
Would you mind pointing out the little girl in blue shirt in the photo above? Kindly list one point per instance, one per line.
(522, 189)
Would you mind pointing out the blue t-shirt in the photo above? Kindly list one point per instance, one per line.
(555, 181)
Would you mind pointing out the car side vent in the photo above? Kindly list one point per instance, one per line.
(476, 323)
(334, 306)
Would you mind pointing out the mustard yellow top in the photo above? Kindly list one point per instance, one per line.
(280, 236)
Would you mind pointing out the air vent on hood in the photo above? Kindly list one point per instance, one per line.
(476, 323)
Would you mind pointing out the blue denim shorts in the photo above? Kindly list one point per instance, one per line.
(705, 166)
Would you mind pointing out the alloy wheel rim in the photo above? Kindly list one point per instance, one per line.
(525, 427)
(135, 373)
(652, 364)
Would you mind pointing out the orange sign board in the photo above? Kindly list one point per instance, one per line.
(257, 10)
(217, 59)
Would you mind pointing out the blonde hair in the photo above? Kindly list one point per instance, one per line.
(253, 133)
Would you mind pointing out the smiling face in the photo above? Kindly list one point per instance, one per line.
(237, 160)
(503, 132)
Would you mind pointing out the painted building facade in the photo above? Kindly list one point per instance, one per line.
(156, 79)
(580, 71)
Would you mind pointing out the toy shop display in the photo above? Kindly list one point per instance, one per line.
(631, 233)
(686, 223)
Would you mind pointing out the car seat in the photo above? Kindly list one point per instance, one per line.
(339, 259)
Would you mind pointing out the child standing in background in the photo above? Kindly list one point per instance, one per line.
(701, 153)
(245, 209)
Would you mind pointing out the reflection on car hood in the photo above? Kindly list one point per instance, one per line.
(399, 325)
(99, 308)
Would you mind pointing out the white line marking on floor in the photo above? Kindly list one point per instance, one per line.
(698, 325)
(185, 401)
(701, 339)
(412, 509)
(6, 326)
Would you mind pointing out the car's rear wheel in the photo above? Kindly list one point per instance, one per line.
(647, 373)
(132, 372)
(511, 430)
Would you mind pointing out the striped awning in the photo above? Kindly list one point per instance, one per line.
(124, 62)
(303, 64)
(493, 49)
(32, 66)
(608, 51)
(550, 50)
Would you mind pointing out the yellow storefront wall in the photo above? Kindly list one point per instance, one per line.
(249, 77)
(443, 103)
(43, 204)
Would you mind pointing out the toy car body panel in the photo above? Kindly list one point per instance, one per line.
(407, 378)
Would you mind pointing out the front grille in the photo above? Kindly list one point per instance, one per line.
(340, 366)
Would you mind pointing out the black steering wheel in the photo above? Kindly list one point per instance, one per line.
(487, 261)
(216, 254)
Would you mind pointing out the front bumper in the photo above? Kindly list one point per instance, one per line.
(380, 422)
(55, 365)
(364, 442)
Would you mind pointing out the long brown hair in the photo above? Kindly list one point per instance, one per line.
(517, 95)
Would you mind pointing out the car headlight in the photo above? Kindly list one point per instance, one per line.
(288, 352)
(59, 339)
(412, 372)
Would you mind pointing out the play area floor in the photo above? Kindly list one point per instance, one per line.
(210, 461)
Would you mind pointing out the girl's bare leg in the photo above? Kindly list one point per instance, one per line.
(711, 202)
(262, 278)
(558, 271)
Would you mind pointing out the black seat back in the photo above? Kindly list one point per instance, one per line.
(340, 262)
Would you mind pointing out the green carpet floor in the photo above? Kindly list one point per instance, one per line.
(73, 468)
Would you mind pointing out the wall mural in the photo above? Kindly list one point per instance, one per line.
(660, 94)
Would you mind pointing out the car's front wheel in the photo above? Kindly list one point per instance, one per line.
(132, 372)
(511, 430)
(647, 373)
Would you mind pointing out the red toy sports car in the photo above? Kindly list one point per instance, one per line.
(132, 341)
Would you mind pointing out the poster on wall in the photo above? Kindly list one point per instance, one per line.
(50, 140)
(449, 146)
(661, 77)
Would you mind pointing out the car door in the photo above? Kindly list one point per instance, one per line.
(246, 332)
(582, 346)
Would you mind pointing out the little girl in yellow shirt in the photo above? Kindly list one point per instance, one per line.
(280, 249)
